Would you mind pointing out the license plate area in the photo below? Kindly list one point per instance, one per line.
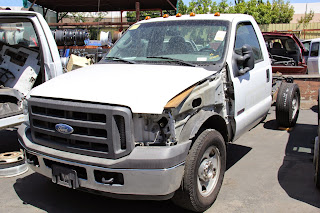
(65, 176)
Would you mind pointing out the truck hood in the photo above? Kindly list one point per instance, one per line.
(143, 88)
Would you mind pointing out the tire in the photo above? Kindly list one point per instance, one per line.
(288, 104)
(204, 171)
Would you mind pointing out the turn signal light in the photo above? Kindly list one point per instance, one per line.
(192, 14)
(147, 17)
(178, 15)
(217, 14)
(165, 16)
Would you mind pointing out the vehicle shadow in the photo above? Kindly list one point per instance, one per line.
(295, 175)
(315, 108)
(9, 140)
(235, 153)
(40, 192)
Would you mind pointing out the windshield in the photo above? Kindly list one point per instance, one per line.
(18, 32)
(197, 42)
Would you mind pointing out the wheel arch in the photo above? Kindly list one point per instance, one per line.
(205, 120)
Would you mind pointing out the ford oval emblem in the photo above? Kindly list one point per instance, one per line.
(64, 128)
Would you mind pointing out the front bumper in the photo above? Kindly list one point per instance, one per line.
(152, 171)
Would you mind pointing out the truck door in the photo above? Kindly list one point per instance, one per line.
(313, 59)
(252, 90)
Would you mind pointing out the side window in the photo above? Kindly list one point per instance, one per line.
(314, 49)
(20, 31)
(306, 45)
(246, 35)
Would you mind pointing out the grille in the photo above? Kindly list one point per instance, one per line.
(98, 130)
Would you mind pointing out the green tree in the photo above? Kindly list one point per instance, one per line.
(263, 12)
(202, 6)
(304, 20)
(223, 6)
(281, 12)
(241, 7)
(100, 16)
(182, 8)
(78, 17)
(214, 7)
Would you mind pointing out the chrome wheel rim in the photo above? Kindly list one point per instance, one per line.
(209, 171)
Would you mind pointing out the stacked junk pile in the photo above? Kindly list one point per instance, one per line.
(76, 50)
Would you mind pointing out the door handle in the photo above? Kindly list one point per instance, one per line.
(268, 75)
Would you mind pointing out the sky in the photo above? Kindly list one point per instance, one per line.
(19, 2)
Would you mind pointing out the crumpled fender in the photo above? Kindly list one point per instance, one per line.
(194, 124)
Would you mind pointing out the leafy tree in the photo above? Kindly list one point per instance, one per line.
(223, 6)
(100, 16)
(78, 17)
(281, 12)
(182, 8)
(240, 7)
(278, 11)
(202, 6)
(304, 20)
(214, 7)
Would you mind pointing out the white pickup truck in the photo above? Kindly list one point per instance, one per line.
(28, 57)
(152, 120)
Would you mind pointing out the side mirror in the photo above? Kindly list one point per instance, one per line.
(245, 61)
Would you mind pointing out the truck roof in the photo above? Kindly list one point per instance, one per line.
(221, 17)
(17, 12)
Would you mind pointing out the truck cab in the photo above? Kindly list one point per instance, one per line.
(28, 57)
(152, 120)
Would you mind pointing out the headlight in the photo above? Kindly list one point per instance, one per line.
(151, 129)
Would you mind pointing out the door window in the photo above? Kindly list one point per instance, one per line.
(314, 49)
(246, 35)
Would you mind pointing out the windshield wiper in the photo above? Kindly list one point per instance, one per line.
(121, 59)
(178, 61)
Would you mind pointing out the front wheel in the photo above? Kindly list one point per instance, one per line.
(204, 172)
(288, 104)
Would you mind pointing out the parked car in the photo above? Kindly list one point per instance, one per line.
(312, 59)
(286, 53)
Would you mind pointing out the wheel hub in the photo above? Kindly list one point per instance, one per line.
(206, 170)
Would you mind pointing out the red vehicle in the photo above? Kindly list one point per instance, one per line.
(286, 53)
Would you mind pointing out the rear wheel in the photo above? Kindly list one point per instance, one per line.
(204, 172)
(288, 104)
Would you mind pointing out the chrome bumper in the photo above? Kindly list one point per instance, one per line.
(136, 181)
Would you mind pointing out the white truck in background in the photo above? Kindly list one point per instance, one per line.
(152, 120)
(28, 57)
